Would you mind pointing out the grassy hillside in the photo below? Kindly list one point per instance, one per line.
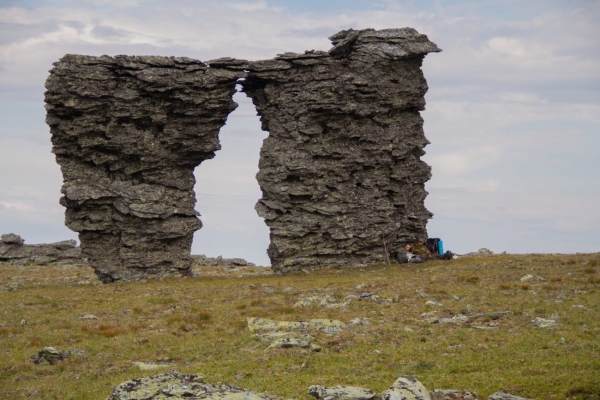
(199, 325)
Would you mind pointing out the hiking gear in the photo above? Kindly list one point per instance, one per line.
(435, 245)
(402, 257)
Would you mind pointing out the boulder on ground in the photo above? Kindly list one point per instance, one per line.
(50, 355)
(174, 386)
(406, 388)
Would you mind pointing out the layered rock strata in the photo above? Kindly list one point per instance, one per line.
(340, 172)
(127, 133)
(14, 250)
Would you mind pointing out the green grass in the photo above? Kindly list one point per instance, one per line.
(199, 326)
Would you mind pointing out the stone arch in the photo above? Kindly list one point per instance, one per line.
(340, 171)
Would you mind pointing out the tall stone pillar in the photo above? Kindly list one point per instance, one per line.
(127, 133)
(340, 172)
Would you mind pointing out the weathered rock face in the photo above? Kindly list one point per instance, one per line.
(13, 250)
(340, 171)
(127, 133)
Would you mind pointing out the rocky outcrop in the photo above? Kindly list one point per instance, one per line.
(13, 250)
(220, 261)
(174, 385)
(340, 172)
(127, 133)
(50, 355)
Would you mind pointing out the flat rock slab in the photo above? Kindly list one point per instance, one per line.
(289, 339)
(505, 396)
(176, 386)
(327, 326)
(446, 394)
(320, 301)
(341, 392)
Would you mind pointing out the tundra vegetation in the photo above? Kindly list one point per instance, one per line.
(199, 325)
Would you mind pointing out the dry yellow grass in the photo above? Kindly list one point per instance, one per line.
(198, 325)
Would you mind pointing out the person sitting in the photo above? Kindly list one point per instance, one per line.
(405, 255)
(419, 249)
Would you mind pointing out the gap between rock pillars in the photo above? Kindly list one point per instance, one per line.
(340, 170)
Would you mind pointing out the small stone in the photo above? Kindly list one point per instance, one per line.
(321, 301)
(433, 303)
(149, 366)
(88, 317)
(340, 393)
(365, 295)
(531, 277)
(358, 321)
(543, 322)
(505, 396)
(456, 298)
(441, 394)
(380, 300)
(579, 307)
(13, 287)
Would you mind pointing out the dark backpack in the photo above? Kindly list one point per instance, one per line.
(433, 244)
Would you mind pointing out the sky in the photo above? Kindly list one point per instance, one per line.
(513, 110)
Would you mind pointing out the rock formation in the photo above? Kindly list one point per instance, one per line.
(13, 250)
(177, 386)
(127, 133)
(341, 171)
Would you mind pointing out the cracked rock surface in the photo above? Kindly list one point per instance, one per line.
(128, 132)
(340, 171)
